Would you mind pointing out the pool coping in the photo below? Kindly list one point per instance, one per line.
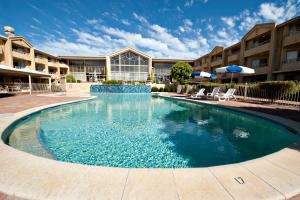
(275, 176)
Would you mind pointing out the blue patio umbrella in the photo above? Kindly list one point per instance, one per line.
(235, 69)
(203, 75)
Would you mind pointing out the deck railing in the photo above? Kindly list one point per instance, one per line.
(252, 93)
(15, 88)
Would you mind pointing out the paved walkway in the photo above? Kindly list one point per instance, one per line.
(289, 112)
(19, 103)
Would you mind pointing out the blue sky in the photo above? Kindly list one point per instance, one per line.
(165, 28)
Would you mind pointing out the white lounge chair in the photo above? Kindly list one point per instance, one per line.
(228, 95)
(214, 94)
(200, 93)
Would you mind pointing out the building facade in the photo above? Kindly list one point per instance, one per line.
(273, 51)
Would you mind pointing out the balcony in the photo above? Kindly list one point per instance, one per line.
(216, 63)
(260, 48)
(21, 55)
(205, 65)
(291, 39)
(233, 57)
(63, 65)
(197, 68)
(261, 69)
(290, 65)
(40, 60)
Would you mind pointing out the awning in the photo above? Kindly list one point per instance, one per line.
(10, 70)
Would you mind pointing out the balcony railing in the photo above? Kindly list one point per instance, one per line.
(292, 61)
(216, 62)
(40, 60)
(264, 47)
(233, 57)
(291, 39)
(21, 55)
(254, 45)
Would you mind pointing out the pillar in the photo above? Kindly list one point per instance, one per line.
(50, 84)
(30, 86)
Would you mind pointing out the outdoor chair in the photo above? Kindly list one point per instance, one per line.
(214, 94)
(228, 95)
(200, 93)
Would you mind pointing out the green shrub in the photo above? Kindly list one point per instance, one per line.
(154, 89)
(161, 90)
(277, 89)
(70, 78)
(181, 72)
(112, 82)
(78, 81)
(166, 89)
(171, 87)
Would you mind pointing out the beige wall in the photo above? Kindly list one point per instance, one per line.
(78, 87)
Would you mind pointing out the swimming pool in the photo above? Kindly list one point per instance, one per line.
(144, 131)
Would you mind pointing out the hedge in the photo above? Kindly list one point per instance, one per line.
(277, 89)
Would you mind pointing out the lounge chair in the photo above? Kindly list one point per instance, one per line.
(228, 95)
(200, 93)
(214, 94)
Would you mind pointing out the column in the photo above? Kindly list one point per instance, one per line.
(30, 86)
(50, 84)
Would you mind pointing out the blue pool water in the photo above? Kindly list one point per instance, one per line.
(138, 130)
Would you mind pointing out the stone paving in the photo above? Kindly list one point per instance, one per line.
(289, 112)
(19, 103)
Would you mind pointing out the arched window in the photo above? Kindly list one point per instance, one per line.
(129, 66)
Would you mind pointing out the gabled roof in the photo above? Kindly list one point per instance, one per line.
(271, 25)
(22, 38)
(289, 21)
(215, 49)
(82, 57)
(129, 49)
(43, 52)
(171, 60)
(234, 45)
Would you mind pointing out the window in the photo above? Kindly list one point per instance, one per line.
(129, 66)
(39, 68)
(291, 55)
(263, 62)
(19, 65)
(294, 29)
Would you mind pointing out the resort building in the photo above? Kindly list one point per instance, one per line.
(273, 51)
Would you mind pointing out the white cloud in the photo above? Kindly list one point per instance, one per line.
(36, 20)
(179, 9)
(229, 21)
(189, 3)
(188, 22)
(94, 21)
(279, 13)
(271, 12)
(210, 27)
(187, 26)
(140, 18)
(125, 22)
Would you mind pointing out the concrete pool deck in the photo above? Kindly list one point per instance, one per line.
(25, 176)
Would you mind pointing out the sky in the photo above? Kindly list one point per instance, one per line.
(185, 29)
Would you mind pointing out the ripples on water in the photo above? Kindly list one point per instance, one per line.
(137, 130)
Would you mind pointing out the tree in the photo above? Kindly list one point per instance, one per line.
(181, 72)
(70, 78)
